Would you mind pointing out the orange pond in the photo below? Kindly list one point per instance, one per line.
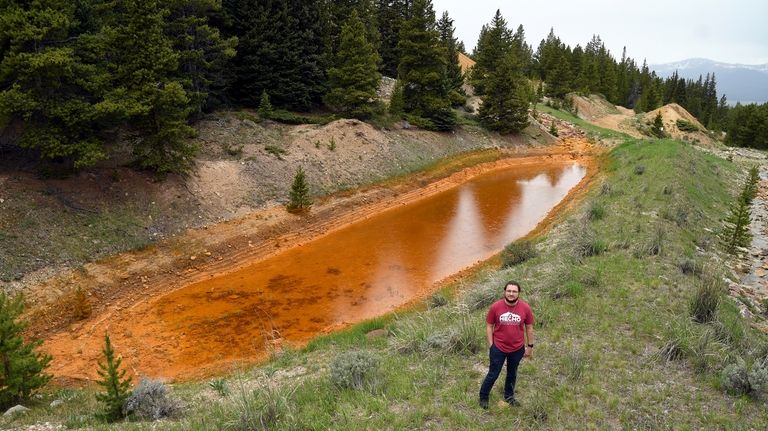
(360, 271)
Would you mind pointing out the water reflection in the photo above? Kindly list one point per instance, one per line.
(361, 271)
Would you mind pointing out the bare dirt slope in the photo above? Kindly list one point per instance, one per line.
(673, 112)
(600, 112)
(50, 224)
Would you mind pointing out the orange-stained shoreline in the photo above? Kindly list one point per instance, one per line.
(217, 253)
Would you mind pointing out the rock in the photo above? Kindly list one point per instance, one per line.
(56, 403)
(17, 409)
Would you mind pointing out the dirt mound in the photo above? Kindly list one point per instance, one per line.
(674, 116)
(465, 62)
(600, 112)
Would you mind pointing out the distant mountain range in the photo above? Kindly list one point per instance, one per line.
(739, 82)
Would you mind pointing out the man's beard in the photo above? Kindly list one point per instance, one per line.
(511, 302)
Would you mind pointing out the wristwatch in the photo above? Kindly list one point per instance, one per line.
(531, 346)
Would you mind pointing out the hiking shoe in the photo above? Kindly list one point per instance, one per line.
(484, 404)
(513, 402)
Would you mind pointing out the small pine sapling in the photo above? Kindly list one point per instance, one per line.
(116, 385)
(265, 106)
(299, 195)
(21, 368)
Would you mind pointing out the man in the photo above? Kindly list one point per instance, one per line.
(509, 324)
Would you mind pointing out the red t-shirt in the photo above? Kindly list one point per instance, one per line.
(509, 324)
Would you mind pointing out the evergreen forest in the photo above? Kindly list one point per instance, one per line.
(78, 78)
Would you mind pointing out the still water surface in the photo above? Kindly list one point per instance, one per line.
(363, 270)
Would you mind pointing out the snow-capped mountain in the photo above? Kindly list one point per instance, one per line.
(739, 82)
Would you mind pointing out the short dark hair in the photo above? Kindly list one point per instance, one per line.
(513, 283)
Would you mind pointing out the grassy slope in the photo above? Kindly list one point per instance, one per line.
(601, 323)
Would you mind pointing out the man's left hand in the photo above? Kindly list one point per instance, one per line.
(528, 352)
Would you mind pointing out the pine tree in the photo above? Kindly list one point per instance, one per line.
(204, 54)
(453, 74)
(493, 45)
(144, 88)
(339, 11)
(422, 69)
(396, 102)
(265, 106)
(281, 50)
(505, 104)
(390, 16)
(523, 51)
(48, 83)
(21, 368)
(736, 232)
(658, 126)
(558, 83)
(354, 78)
(300, 200)
(116, 385)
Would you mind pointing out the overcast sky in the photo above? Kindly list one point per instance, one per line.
(662, 31)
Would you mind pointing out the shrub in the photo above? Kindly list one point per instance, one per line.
(22, 368)
(704, 304)
(758, 377)
(275, 151)
(438, 299)
(354, 370)
(233, 150)
(639, 169)
(553, 129)
(686, 126)
(263, 409)
(596, 211)
(517, 252)
(734, 378)
(688, 266)
(81, 307)
(421, 122)
(286, 117)
(150, 401)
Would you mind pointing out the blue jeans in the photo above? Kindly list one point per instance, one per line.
(497, 358)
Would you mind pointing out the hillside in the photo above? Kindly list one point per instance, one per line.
(739, 82)
(596, 110)
(616, 348)
(244, 166)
